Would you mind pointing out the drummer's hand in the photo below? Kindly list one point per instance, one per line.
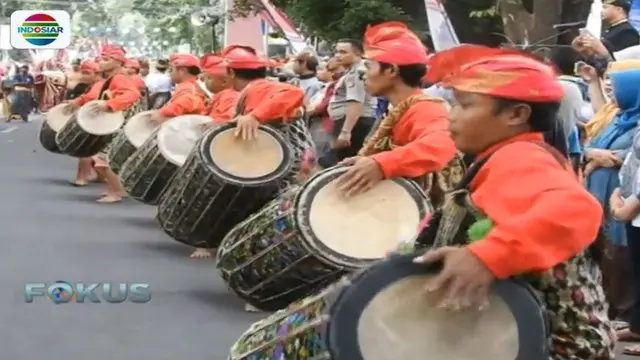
(363, 175)
(464, 280)
(100, 107)
(247, 127)
(70, 108)
(157, 117)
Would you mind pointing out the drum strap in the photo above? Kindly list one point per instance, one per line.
(105, 87)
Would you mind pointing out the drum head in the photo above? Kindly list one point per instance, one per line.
(139, 128)
(104, 123)
(179, 135)
(355, 231)
(56, 117)
(386, 315)
(247, 162)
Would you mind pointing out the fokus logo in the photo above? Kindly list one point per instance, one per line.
(39, 29)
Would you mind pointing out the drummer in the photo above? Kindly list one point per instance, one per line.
(91, 76)
(122, 94)
(413, 140)
(225, 99)
(541, 214)
(187, 98)
(132, 68)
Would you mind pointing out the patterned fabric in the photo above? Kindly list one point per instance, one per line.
(570, 292)
(434, 184)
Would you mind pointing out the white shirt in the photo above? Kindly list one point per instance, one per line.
(158, 83)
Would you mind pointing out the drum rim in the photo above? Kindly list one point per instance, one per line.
(48, 122)
(157, 134)
(281, 171)
(341, 331)
(80, 111)
(128, 125)
(314, 245)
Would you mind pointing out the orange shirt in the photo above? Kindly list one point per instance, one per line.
(223, 105)
(542, 215)
(140, 84)
(423, 140)
(122, 93)
(270, 100)
(186, 99)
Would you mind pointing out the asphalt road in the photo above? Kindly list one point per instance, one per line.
(52, 231)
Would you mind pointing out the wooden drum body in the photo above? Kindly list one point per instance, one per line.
(224, 180)
(134, 133)
(85, 134)
(148, 171)
(54, 120)
(307, 239)
(383, 313)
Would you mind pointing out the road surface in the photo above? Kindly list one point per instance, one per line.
(52, 231)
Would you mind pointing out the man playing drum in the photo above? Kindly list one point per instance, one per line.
(225, 99)
(413, 140)
(91, 76)
(132, 68)
(542, 220)
(187, 98)
(121, 94)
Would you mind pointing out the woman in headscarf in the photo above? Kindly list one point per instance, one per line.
(604, 155)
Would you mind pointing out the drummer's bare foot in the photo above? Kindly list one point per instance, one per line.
(80, 183)
(109, 199)
(251, 308)
(202, 253)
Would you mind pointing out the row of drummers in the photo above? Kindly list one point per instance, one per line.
(237, 187)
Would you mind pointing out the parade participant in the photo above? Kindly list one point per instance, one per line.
(23, 83)
(91, 77)
(144, 68)
(187, 97)
(132, 68)
(413, 140)
(159, 85)
(263, 100)
(121, 94)
(223, 105)
(542, 219)
(74, 81)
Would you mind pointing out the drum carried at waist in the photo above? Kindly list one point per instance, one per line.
(153, 165)
(384, 313)
(224, 180)
(54, 120)
(133, 134)
(309, 238)
(87, 133)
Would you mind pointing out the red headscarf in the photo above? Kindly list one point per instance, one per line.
(506, 73)
(184, 60)
(213, 64)
(243, 57)
(393, 43)
(89, 66)
(115, 52)
(132, 63)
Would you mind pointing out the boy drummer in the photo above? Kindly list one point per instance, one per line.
(225, 99)
(122, 94)
(414, 139)
(543, 219)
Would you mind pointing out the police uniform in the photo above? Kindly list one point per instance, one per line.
(350, 88)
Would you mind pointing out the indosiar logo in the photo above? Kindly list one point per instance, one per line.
(40, 29)
(64, 292)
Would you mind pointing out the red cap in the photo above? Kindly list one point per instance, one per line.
(393, 43)
(184, 60)
(132, 63)
(243, 57)
(115, 52)
(213, 64)
(89, 66)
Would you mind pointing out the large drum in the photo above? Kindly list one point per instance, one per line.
(383, 313)
(224, 180)
(54, 120)
(307, 239)
(151, 167)
(86, 134)
(134, 133)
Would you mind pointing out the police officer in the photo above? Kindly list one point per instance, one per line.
(351, 108)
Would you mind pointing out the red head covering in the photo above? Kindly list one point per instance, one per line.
(184, 60)
(243, 57)
(115, 52)
(213, 64)
(89, 66)
(132, 63)
(506, 73)
(393, 43)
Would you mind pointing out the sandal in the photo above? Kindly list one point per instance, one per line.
(626, 335)
(633, 350)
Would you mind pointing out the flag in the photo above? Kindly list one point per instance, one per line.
(442, 33)
(594, 21)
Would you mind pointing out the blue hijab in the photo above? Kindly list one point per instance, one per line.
(626, 91)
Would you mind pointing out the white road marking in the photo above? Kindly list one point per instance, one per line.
(8, 130)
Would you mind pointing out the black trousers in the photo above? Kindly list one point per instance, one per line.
(358, 134)
(633, 246)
